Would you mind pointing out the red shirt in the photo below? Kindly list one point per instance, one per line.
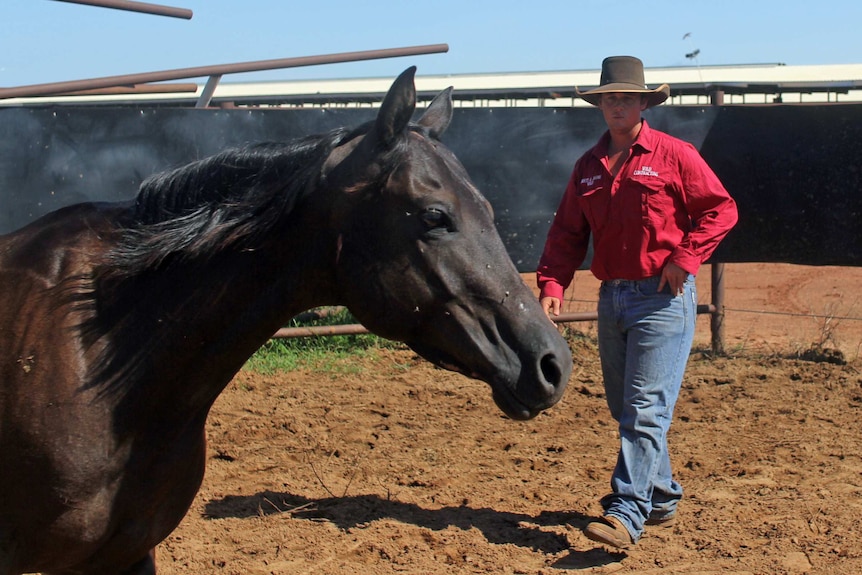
(665, 205)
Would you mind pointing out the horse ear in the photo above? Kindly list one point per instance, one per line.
(397, 109)
(438, 114)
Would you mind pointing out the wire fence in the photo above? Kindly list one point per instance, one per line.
(594, 304)
(792, 314)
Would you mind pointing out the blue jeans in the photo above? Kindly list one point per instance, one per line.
(645, 339)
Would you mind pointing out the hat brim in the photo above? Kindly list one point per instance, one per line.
(654, 97)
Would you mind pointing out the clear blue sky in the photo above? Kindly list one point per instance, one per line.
(48, 41)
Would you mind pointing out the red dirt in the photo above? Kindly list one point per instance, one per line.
(389, 465)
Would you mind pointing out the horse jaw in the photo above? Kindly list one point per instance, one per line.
(507, 403)
(513, 348)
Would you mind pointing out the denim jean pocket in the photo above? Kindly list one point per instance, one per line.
(649, 287)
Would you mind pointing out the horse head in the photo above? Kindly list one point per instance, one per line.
(419, 250)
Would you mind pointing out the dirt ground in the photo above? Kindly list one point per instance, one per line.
(393, 466)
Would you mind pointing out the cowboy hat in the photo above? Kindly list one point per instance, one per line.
(624, 74)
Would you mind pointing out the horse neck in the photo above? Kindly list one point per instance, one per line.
(192, 327)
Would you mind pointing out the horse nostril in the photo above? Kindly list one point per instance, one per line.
(552, 373)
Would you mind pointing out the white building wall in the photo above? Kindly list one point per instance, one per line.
(686, 75)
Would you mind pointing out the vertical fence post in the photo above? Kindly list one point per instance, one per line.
(716, 318)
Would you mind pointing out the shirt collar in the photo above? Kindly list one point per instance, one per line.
(645, 140)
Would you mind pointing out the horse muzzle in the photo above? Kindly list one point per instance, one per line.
(526, 388)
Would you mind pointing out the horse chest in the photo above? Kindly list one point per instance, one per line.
(106, 503)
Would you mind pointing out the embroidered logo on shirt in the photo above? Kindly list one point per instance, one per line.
(645, 171)
(591, 180)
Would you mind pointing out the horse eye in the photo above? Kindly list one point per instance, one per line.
(434, 219)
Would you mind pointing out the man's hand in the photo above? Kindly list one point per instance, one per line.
(674, 276)
(551, 305)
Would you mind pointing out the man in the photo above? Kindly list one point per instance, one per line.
(655, 212)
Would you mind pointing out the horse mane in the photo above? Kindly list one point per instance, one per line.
(225, 201)
(183, 218)
(228, 203)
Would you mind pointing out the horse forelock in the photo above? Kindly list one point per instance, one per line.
(450, 164)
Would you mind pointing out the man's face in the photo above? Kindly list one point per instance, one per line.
(622, 110)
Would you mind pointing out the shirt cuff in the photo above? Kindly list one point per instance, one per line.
(686, 261)
(551, 289)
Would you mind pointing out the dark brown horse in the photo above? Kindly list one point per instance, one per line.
(121, 323)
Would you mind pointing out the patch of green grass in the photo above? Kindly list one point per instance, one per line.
(332, 353)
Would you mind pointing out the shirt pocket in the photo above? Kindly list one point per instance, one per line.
(658, 206)
(596, 205)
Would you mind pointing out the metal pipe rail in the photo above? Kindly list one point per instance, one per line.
(55, 88)
(166, 88)
(144, 7)
(357, 328)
